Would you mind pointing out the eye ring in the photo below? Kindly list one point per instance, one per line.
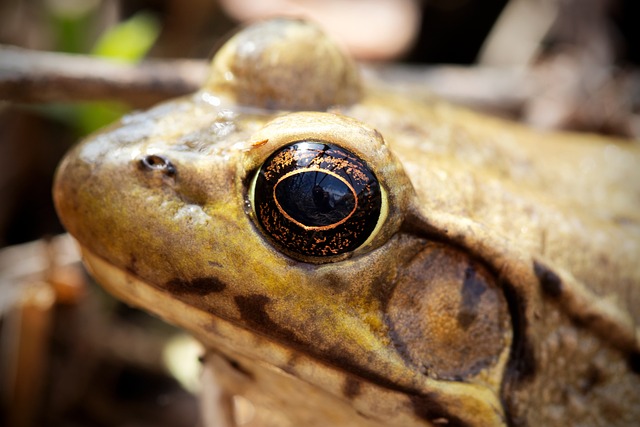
(315, 199)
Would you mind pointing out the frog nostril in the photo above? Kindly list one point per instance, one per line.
(155, 162)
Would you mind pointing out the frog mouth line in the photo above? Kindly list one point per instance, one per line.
(128, 287)
(125, 284)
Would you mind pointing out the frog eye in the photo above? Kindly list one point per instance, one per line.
(315, 199)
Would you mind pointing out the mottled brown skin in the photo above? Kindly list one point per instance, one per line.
(501, 288)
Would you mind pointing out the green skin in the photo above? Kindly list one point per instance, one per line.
(500, 286)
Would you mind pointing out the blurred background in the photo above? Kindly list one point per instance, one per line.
(552, 64)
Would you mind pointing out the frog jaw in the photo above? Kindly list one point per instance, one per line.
(429, 399)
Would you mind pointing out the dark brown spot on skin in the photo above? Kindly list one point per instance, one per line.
(522, 362)
(427, 408)
(199, 286)
(550, 282)
(472, 290)
(591, 378)
(521, 367)
(634, 362)
(351, 387)
(252, 310)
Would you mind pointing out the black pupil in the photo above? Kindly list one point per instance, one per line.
(315, 198)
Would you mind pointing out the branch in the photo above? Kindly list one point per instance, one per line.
(28, 76)
(39, 77)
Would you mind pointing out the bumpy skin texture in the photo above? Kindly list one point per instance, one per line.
(500, 289)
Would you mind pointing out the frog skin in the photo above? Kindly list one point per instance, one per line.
(496, 282)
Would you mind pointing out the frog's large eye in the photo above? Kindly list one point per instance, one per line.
(316, 199)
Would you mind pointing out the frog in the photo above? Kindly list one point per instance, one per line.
(351, 255)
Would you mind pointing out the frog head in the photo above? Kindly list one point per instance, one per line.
(264, 217)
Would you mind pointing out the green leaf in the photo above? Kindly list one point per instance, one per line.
(130, 40)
